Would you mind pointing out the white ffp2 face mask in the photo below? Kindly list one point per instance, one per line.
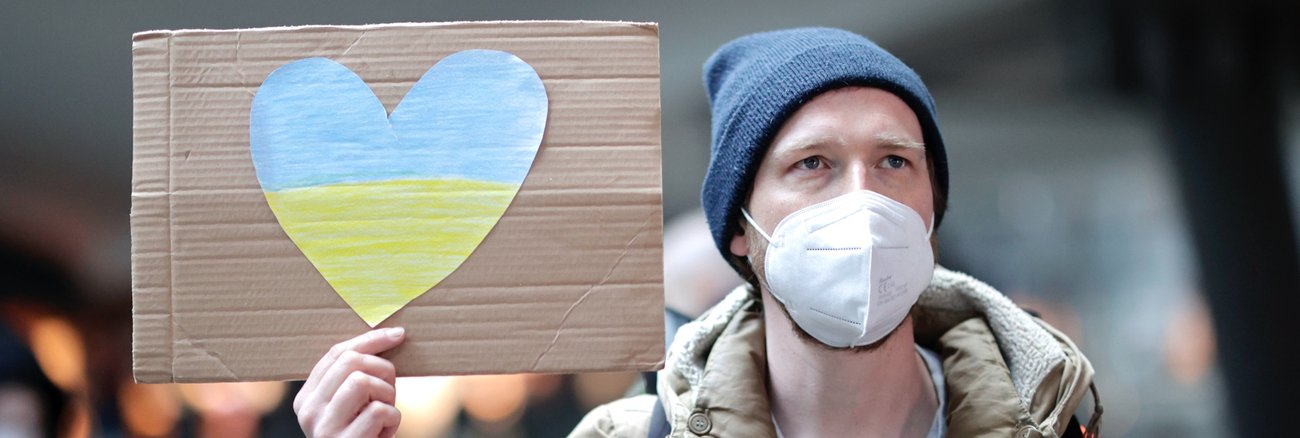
(848, 269)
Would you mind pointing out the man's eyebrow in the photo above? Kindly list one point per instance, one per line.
(810, 142)
(894, 141)
(886, 140)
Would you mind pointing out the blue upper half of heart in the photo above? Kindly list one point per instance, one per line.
(476, 114)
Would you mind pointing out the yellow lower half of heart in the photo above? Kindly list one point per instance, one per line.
(381, 244)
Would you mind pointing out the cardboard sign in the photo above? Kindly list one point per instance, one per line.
(492, 187)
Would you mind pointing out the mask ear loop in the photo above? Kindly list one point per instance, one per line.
(755, 225)
(928, 233)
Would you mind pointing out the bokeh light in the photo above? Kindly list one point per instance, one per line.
(428, 406)
(58, 349)
(1190, 342)
(494, 402)
(595, 389)
(149, 410)
(255, 397)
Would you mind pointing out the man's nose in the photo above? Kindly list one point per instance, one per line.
(858, 178)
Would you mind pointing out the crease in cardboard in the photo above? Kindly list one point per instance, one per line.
(564, 320)
(354, 44)
(239, 64)
(151, 351)
(171, 236)
(225, 372)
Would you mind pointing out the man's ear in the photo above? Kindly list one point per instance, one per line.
(739, 245)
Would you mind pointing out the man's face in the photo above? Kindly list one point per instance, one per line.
(844, 140)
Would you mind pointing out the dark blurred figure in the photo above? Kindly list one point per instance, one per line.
(1221, 92)
(1219, 73)
(695, 278)
(31, 405)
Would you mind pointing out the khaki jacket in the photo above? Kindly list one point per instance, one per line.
(1008, 374)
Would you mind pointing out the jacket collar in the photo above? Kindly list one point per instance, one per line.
(717, 364)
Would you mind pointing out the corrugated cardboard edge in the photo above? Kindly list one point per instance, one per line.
(150, 212)
(663, 357)
(166, 33)
(152, 239)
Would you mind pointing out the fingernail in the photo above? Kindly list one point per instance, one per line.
(395, 332)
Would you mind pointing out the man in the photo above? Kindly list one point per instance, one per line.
(828, 176)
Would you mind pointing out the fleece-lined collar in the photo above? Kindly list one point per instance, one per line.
(717, 364)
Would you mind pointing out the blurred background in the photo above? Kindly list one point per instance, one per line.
(1129, 170)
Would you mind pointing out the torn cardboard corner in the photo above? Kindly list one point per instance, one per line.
(569, 279)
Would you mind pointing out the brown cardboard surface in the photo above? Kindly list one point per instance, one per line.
(569, 280)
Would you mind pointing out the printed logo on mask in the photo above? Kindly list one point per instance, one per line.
(890, 289)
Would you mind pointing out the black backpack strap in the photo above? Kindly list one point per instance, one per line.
(651, 381)
(1073, 430)
(659, 427)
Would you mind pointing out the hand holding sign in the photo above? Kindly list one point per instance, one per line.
(351, 391)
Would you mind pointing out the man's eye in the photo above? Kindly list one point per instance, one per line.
(810, 163)
(893, 162)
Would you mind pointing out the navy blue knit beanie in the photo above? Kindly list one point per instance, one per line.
(756, 82)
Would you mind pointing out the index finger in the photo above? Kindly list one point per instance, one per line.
(371, 342)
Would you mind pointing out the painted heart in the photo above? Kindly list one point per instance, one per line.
(387, 206)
